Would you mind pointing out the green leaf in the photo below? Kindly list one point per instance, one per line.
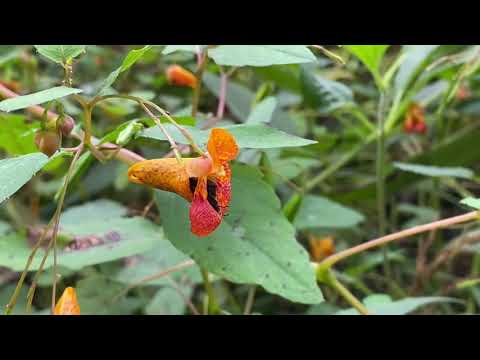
(16, 172)
(169, 301)
(132, 57)
(435, 171)
(323, 94)
(96, 293)
(16, 135)
(261, 55)
(371, 56)
(380, 304)
(239, 98)
(316, 211)
(163, 256)
(472, 202)
(102, 220)
(284, 76)
(263, 111)
(256, 136)
(40, 97)
(60, 53)
(255, 244)
(415, 59)
(172, 48)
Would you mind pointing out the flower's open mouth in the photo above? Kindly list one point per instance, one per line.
(211, 192)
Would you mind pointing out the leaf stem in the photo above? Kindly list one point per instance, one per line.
(213, 307)
(330, 279)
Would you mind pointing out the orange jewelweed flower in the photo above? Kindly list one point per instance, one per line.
(415, 120)
(179, 76)
(321, 248)
(204, 181)
(67, 304)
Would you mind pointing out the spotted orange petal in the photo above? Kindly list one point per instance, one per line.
(67, 304)
(224, 189)
(203, 217)
(222, 147)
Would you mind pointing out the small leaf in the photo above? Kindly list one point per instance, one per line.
(24, 101)
(16, 172)
(255, 244)
(60, 53)
(323, 94)
(132, 57)
(415, 59)
(371, 56)
(435, 171)
(472, 202)
(261, 55)
(169, 301)
(263, 111)
(247, 136)
(380, 304)
(316, 211)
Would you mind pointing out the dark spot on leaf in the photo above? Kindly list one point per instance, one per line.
(224, 268)
(267, 276)
(289, 264)
(210, 248)
(284, 286)
(247, 253)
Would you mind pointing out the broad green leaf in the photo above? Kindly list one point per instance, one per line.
(60, 53)
(255, 244)
(323, 94)
(239, 98)
(16, 135)
(172, 48)
(16, 172)
(102, 220)
(383, 305)
(261, 55)
(169, 301)
(316, 211)
(263, 111)
(163, 256)
(284, 76)
(415, 59)
(96, 296)
(24, 101)
(371, 56)
(5, 295)
(132, 57)
(472, 202)
(256, 136)
(435, 171)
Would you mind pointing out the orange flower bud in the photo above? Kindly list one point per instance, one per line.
(67, 304)
(321, 248)
(179, 76)
(48, 142)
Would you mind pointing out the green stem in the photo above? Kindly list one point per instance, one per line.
(380, 174)
(213, 307)
(196, 91)
(330, 279)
